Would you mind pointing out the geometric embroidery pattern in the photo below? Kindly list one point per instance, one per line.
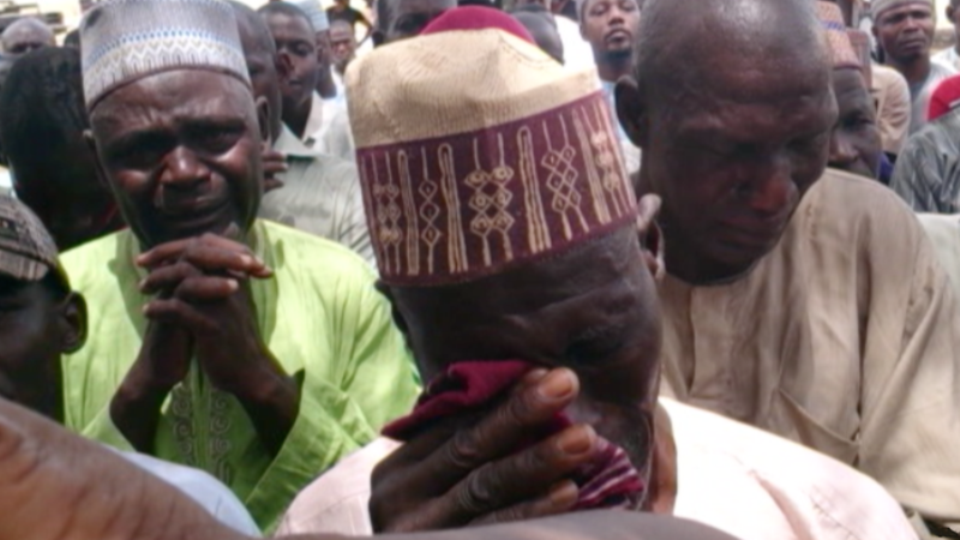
(456, 208)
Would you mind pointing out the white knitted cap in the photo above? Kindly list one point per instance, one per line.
(125, 40)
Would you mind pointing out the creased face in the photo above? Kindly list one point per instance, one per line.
(593, 309)
(733, 153)
(296, 49)
(855, 144)
(906, 31)
(30, 346)
(181, 150)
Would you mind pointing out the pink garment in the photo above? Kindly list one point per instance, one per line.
(611, 481)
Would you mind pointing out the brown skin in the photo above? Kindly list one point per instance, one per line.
(612, 28)
(730, 151)
(341, 5)
(27, 35)
(343, 45)
(855, 144)
(38, 323)
(590, 317)
(297, 49)
(953, 15)
(265, 68)
(402, 19)
(905, 33)
(181, 150)
(326, 86)
(68, 488)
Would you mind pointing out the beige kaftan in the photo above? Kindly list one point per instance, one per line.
(843, 338)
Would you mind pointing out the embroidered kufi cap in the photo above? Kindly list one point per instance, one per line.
(27, 251)
(841, 50)
(477, 151)
(316, 14)
(126, 40)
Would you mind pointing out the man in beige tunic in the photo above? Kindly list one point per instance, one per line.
(804, 302)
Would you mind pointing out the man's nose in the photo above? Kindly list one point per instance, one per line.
(769, 187)
(842, 152)
(183, 170)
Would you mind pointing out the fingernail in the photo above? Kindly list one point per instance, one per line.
(246, 260)
(557, 385)
(233, 285)
(577, 440)
(564, 494)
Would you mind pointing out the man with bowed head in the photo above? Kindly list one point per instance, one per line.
(199, 349)
(804, 302)
(536, 231)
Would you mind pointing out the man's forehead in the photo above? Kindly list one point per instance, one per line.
(175, 95)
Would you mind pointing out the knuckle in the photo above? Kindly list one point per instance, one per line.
(463, 450)
(478, 492)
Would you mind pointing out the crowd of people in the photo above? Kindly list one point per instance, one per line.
(591, 269)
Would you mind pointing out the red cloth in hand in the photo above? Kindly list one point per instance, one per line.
(610, 481)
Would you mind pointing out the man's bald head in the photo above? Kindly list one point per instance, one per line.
(733, 107)
(26, 35)
(690, 44)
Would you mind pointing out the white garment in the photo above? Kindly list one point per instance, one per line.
(328, 127)
(948, 57)
(743, 481)
(577, 53)
(203, 489)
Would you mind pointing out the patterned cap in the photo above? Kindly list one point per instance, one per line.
(126, 40)
(477, 152)
(877, 7)
(314, 11)
(27, 252)
(860, 41)
(831, 18)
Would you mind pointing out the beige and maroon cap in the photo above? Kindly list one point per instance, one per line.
(477, 152)
(27, 251)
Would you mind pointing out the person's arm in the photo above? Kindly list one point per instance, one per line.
(362, 19)
(63, 486)
(910, 394)
(210, 301)
(918, 175)
(135, 409)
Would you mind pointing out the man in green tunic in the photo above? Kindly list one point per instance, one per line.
(247, 349)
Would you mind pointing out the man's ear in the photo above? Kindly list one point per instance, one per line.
(91, 143)
(650, 235)
(632, 111)
(73, 323)
(263, 121)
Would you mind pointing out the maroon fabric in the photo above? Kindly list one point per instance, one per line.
(477, 18)
(610, 481)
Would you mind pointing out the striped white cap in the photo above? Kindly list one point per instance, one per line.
(126, 40)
